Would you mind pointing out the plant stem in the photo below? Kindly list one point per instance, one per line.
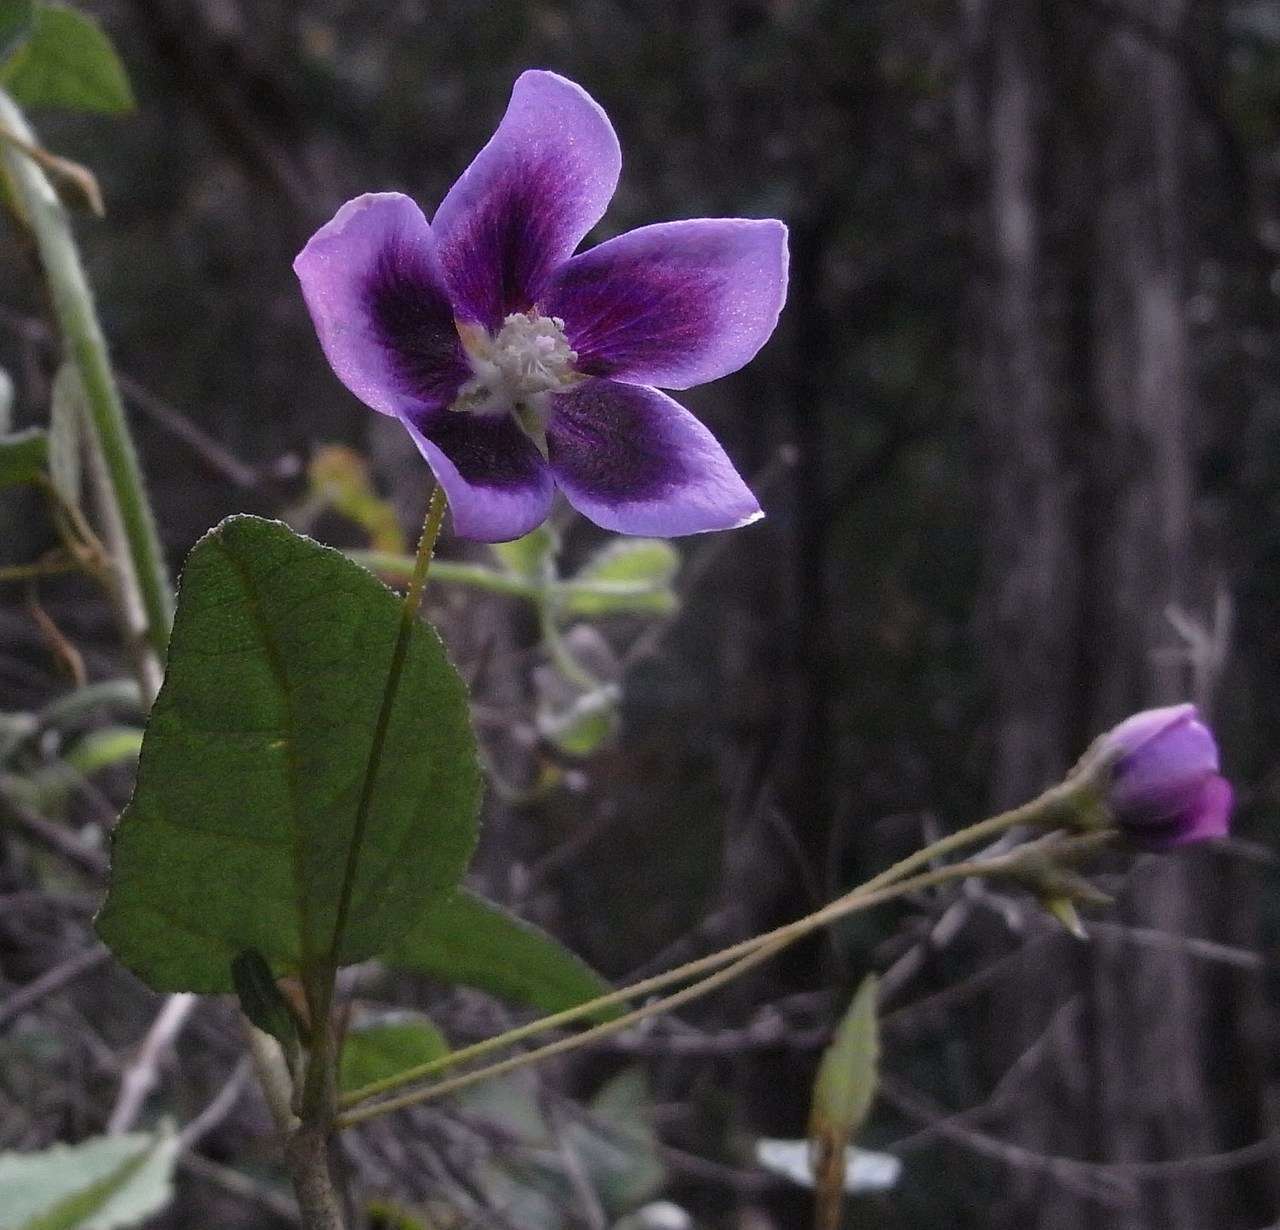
(144, 570)
(477, 576)
(408, 614)
(307, 1145)
(745, 955)
(1037, 810)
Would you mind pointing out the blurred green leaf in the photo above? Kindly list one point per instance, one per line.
(842, 1097)
(24, 456)
(580, 728)
(67, 61)
(528, 556)
(339, 479)
(615, 1143)
(241, 826)
(375, 1052)
(471, 941)
(100, 1184)
(629, 576)
(619, 1146)
(102, 748)
(17, 18)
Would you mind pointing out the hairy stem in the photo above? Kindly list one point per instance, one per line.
(144, 571)
(408, 614)
(1039, 811)
(744, 956)
(307, 1144)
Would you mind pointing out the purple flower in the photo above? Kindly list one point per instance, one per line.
(518, 367)
(1162, 785)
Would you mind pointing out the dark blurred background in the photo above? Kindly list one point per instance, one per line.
(1018, 440)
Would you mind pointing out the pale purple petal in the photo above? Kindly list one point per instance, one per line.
(1209, 817)
(673, 305)
(525, 203)
(635, 461)
(1163, 762)
(372, 282)
(1134, 731)
(498, 484)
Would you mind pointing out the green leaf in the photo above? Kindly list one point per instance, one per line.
(24, 456)
(67, 61)
(375, 1052)
(619, 1146)
(253, 763)
(261, 999)
(104, 747)
(100, 1184)
(17, 18)
(629, 576)
(471, 941)
(528, 556)
(580, 728)
(842, 1097)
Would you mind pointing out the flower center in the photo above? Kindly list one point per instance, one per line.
(516, 368)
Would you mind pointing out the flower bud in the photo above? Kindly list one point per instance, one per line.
(1157, 776)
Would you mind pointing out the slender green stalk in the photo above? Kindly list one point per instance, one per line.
(408, 614)
(476, 576)
(743, 956)
(1038, 811)
(87, 347)
(306, 1147)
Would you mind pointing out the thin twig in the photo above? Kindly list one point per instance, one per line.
(55, 837)
(143, 1074)
(29, 995)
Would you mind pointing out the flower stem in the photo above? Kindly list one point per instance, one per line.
(744, 957)
(408, 614)
(307, 1144)
(144, 571)
(1034, 812)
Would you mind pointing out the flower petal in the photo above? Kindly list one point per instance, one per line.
(1170, 759)
(542, 182)
(633, 460)
(498, 484)
(372, 282)
(1211, 817)
(675, 304)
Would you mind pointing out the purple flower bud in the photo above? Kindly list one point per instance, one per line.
(1160, 779)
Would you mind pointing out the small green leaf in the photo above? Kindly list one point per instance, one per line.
(103, 748)
(339, 478)
(528, 557)
(629, 576)
(104, 1183)
(24, 456)
(619, 1146)
(375, 1052)
(17, 18)
(583, 726)
(67, 61)
(261, 999)
(471, 941)
(842, 1096)
(240, 829)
